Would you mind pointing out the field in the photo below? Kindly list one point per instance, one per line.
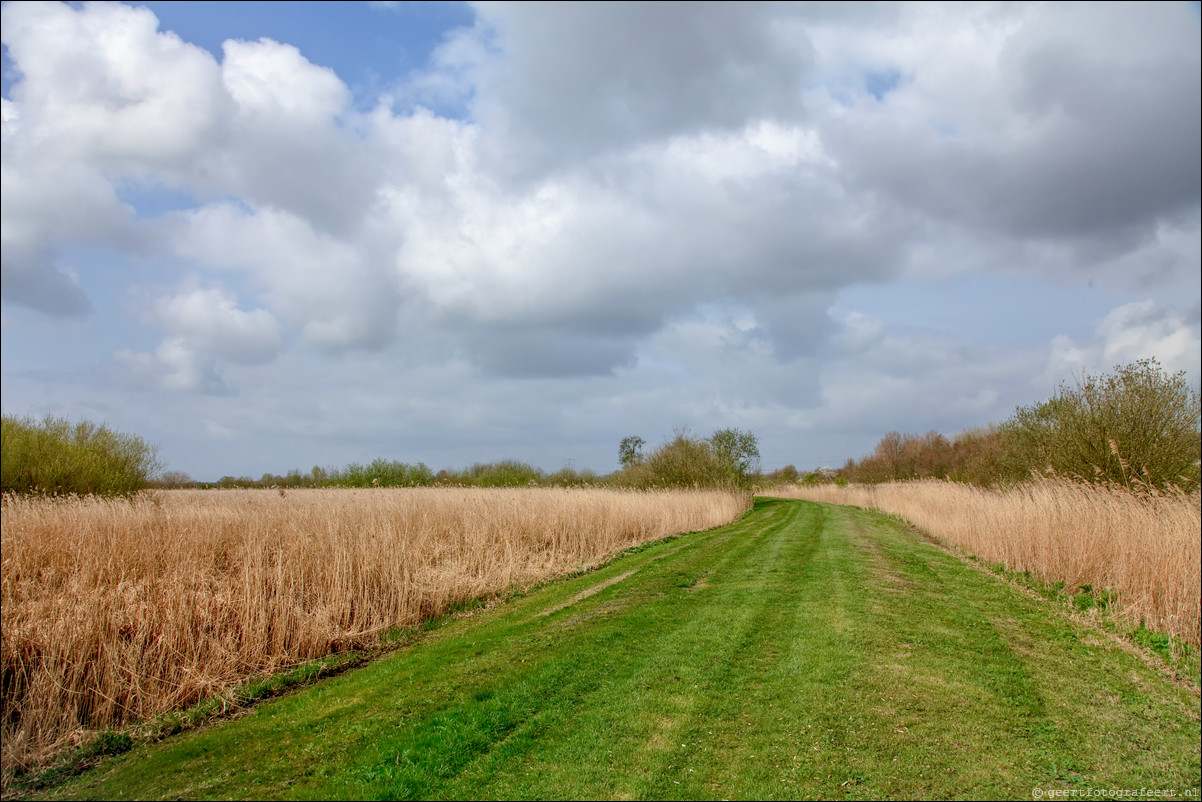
(116, 611)
(805, 651)
(1141, 550)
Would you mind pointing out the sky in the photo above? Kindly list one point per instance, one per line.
(267, 236)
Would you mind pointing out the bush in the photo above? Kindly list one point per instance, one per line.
(1138, 423)
(505, 473)
(570, 477)
(55, 456)
(729, 459)
(379, 473)
(971, 456)
(788, 474)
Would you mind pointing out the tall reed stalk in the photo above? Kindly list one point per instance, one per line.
(117, 610)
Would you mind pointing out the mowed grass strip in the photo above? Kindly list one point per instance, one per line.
(805, 651)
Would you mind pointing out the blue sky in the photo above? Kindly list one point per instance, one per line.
(370, 46)
(270, 235)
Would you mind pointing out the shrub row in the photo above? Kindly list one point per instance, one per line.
(57, 457)
(1137, 426)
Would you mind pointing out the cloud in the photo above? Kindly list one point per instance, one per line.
(752, 215)
(106, 102)
(555, 85)
(662, 173)
(1144, 329)
(174, 366)
(102, 86)
(1062, 125)
(204, 328)
(913, 380)
(210, 321)
(29, 276)
(46, 206)
(877, 379)
(286, 146)
(340, 296)
(1138, 330)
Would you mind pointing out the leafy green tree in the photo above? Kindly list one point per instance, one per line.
(737, 451)
(630, 451)
(1137, 423)
(728, 459)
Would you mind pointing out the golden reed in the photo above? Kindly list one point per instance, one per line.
(1143, 547)
(114, 611)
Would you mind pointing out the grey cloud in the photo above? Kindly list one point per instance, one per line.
(580, 79)
(912, 382)
(1100, 144)
(796, 324)
(367, 323)
(340, 295)
(321, 178)
(46, 209)
(1121, 144)
(29, 277)
(543, 353)
(616, 265)
(284, 146)
(175, 366)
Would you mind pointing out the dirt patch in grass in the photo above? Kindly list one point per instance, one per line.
(584, 594)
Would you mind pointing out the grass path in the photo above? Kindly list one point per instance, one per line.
(804, 651)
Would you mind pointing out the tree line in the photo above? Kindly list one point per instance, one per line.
(1136, 426)
(729, 458)
(55, 456)
(383, 472)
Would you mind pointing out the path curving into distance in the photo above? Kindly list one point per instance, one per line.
(804, 651)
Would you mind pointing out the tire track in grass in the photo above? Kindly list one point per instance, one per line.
(584, 594)
(729, 636)
(570, 666)
(948, 662)
(984, 668)
(691, 654)
(712, 748)
(627, 711)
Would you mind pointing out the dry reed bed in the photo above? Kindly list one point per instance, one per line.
(114, 611)
(1145, 548)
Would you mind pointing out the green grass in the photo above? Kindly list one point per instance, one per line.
(1096, 606)
(806, 651)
